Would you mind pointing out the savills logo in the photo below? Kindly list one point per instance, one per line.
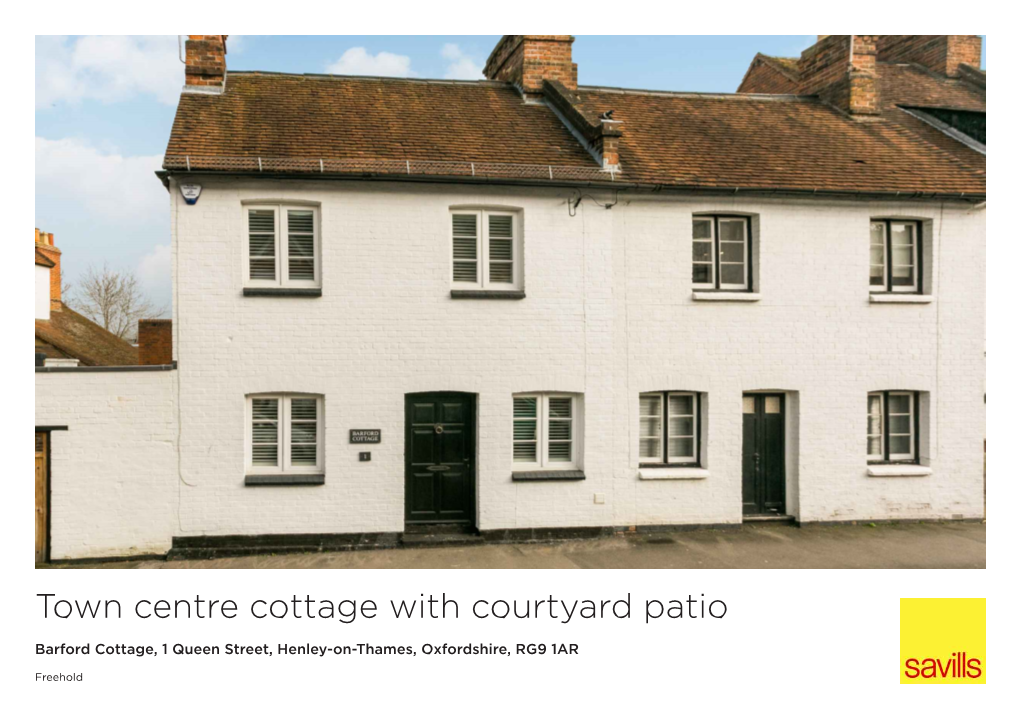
(942, 640)
(956, 666)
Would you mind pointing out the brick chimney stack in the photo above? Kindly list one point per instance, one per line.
(205, 64)
(942, 54)
(155, 342)
(529, 60)
(44, 244)
(841, 70)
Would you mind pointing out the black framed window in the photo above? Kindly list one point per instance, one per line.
(893, 427)
(721, 253)
(669, 429)
(896, 259)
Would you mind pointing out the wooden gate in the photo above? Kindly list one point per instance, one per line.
(41, 500)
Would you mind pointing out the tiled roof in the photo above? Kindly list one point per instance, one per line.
(788, 66)
(689, 140)
(75, 336)
(912, 86)
(334, 117)
(791, 65)
(779, 142)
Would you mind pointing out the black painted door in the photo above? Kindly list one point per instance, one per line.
(439, 458)
(764, 455)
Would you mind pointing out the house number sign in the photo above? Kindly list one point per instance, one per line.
(362, 435)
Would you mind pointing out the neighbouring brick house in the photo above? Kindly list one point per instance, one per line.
(63, 336)
(553, 306)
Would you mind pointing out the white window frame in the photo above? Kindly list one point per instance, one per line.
(885, 428)
(665, 429)
(881, 287)
(910, 418)
(542, 406)
(482, 250)
(916, 260)
(710, 285)
(284, 465)
(715, 221)
(880, 456)
(282, 246)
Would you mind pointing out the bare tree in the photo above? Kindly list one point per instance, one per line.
(113, 299)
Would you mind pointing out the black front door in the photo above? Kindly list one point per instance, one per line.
(439, 457)
(764, 455)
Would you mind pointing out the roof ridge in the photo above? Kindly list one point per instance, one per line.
(505, 84)
(697, 94)
(382, 78)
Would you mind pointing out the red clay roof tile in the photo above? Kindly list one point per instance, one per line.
(707, 141)
(76, 336)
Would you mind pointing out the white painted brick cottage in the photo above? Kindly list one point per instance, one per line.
(557, 308)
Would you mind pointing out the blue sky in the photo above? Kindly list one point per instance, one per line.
(105, 104)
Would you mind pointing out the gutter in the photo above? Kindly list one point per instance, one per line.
(165, 175)
(106, 369)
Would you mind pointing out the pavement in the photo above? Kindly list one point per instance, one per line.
(892, 545)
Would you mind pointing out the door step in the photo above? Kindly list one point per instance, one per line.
(769, 518)
(427, 536)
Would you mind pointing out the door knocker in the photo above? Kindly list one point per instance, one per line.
(439, 429)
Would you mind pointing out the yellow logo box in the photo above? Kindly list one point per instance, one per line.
(942, 640)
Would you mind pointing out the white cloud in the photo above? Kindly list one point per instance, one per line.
(108, 68)
(358, 61)
(461, 67)
(108, 186)
(235, 45)
(154, 271)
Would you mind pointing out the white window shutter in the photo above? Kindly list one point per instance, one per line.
(265, 432)
(301, 245)
(501, 249)
(262, 244)
(304, 432)
(561, 432)
(465, 247)
(526, 429)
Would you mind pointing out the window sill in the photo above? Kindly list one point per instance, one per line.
(548, 476)
(912, 298)
(488, 294)
(892, 470)
(716, 295)
(672, 474)
(286, 479)
(283, 292)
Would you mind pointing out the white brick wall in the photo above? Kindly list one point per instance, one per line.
(609, 314)
(113, 472)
